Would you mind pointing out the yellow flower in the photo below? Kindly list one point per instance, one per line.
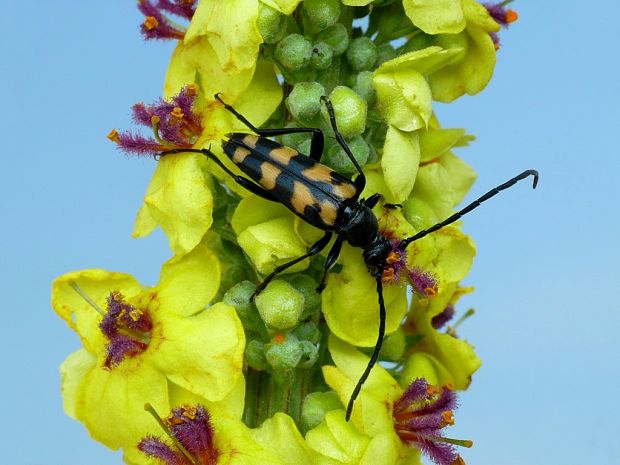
(140, 343)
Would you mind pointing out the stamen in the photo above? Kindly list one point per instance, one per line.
(192, 90)
(177, 113)
(467, 314)
(511, 16)
(86, 297)
(151, 22)
(149, 408)
(155, 120)
(113, 136)
(393, 257)
(448, 417)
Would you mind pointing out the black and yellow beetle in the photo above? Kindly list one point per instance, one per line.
(324, 199)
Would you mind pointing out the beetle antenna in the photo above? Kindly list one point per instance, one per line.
(475, 204)
(375, 353)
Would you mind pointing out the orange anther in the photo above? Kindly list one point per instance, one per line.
(192, 89)
(177, 113)
(393, 257)
(151, 22)
(511, 16)
(448, 417)
(113, 136)
(388, 275)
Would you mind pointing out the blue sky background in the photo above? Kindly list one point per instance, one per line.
(547, 267)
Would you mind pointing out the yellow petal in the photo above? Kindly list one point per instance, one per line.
(202, 353)
(253, 210)
(144, 224)
(280, 434)
(477, 14)
(180, 201)
(230, 406)
(436, 16)
(273, 243)
(401, 157)
(189, 282)
(337, 439)
(110, 403)
(284, 6)
(231, 29)
(72, 373)
(351, 305)
(78, 313)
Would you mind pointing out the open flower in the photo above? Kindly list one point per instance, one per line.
(157, 23)
(403, 422)
(140, 343)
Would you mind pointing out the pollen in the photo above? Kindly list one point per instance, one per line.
(189, 412)
(448, 417)
(113, 136)
(511, 16)
(431, 290)
(388, 275)
(135, 314)
(151, 23)
(393, 257)
(192, 90)
(177, 114)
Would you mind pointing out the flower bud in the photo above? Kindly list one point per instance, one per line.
(239, 296)
(316, 405)
(304, 101)
(350, 110)
(336, 37)
(394, 345)
(385, 52)
(310, 354)
(322, 56)
(280, 305)
(337, 159)
(255, 355)
(284, 352)
(271, 23)
(418, 42)
(294, 52)
(362, 54)
(308, 331)
(307, 286)
(320, 14)
(294, 140)
(363, 86)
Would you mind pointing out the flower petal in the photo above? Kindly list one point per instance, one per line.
(285, 6)
(189, 282)
(401, 157)
(436, 16)
(180, 201)
(351, 304)
(110, 403)
(72, 373)
(202, 353)
(273, 243)
(77, 312)
(280, 434)
(231, 29)
(337, 440)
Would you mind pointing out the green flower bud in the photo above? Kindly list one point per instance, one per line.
(294, 52)
(385, 52)
(271, 23)
(337, 159)
(305, 146)
(363, 86)
(322, 56)
(255, 355)
(307, 286)
(308, 331)
(280, 305)
(295, 139)
(336, 37)
(362, 54)
(350, 110)
(316, 405)
(239, 296)
(394, 345)
(320, 14)
(304, 101)
(284, 353)
(310, 354)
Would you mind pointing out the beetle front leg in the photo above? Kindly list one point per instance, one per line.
(313, 250)
(332, 258)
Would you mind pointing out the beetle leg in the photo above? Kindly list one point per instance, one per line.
(375, 352)
(313, 250)
(360, 181)
(316, 147)
(243, 182)
(332, 258)
(371, 201)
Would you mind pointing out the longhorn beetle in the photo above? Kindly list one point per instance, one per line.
(324, 199)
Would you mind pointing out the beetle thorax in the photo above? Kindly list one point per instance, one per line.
(359, 226)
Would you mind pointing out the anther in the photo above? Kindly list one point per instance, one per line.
(448, 417)
(113, 136)
(177, 114)
(151, 22)
(511, 16)
(192, 89)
